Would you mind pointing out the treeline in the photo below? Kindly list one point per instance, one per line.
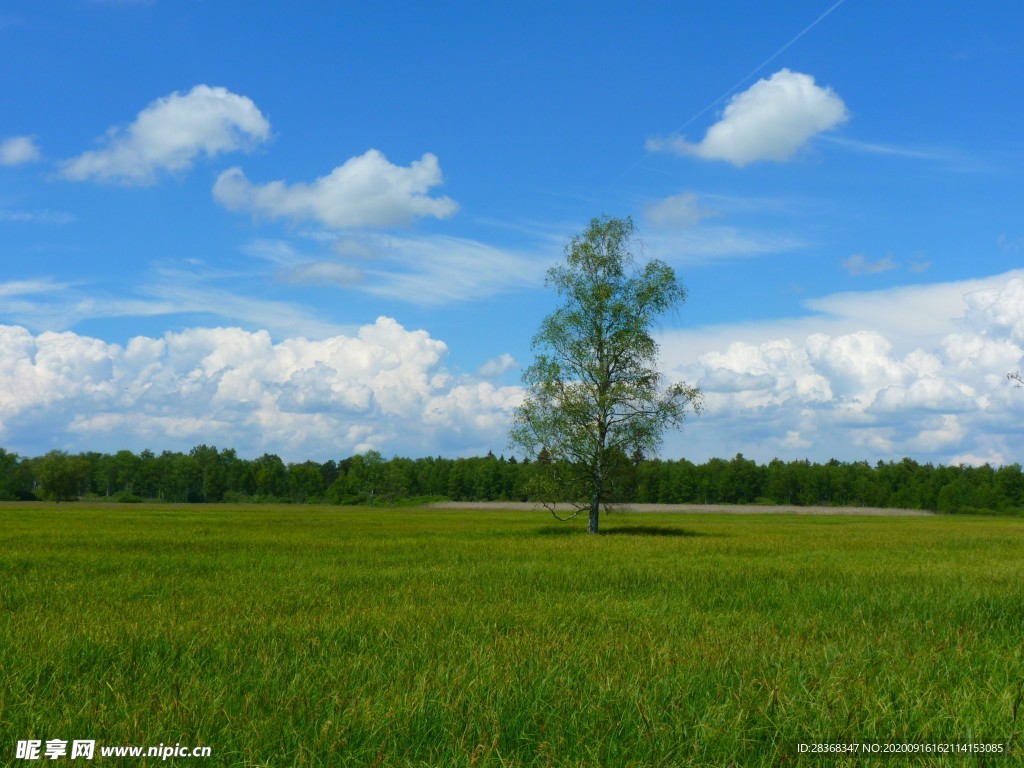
(206, 474)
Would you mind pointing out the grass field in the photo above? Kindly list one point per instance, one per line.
(308, 636)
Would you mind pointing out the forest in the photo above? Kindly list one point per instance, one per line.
(206, 474)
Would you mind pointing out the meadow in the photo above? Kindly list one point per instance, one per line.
(329, 636)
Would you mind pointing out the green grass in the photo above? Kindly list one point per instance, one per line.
(306, 636)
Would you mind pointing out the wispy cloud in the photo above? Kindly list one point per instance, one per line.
(433, 270)
(859, 264)
(1010, 244)
(34, 287)
(678, 212)
(184, 292)
(36, 217)
(45, 304)
(324, 273)
(428, 270)
(709, 244)
(949, 158)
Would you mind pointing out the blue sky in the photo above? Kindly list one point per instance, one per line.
(315, 229)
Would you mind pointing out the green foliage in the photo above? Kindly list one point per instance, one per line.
(16, 478)
(61, 476)
(179, 477)
(595, 396)
(312, 636)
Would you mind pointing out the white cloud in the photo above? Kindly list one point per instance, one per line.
(818, 387)
(367, 191)
(44, 304)
(18, 150)
(350, 248)
(438, 269)
(917, 371)
(170, 133)
(475, 410)
(299, 269)
(771, 120)
(422, 269)
(497, 366)
(949, 158)
(704, 244)
(324, 273)
(859, 264)
(178, 292)
(383, 386)
(30, 287)
(893, 150)
(36, 217)
(993, 458)
(998, 309)
(678, 211)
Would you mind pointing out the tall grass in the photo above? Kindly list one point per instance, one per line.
(322, 636)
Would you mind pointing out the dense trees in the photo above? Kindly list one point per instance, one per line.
(16, 479)
(206, 474)
(60, 476)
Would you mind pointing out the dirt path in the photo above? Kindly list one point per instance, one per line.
(706, 509)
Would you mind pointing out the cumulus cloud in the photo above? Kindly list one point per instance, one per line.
(382, 386)
(917, 371)
(18, 150)
(169, 134)
(477, 409)
(998, 310)
(771, 120)
(864, 384)
(367, 191)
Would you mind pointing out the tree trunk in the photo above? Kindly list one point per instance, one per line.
(595, 510)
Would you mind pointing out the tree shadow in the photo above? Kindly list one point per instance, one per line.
(648, 530)
(560, 530)
(623, 530)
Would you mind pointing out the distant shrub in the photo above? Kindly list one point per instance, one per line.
(347, 499)
(128, 498)
(237, 497)
(419, 501)
(977, 511)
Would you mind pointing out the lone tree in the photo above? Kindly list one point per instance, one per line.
(594, 395)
